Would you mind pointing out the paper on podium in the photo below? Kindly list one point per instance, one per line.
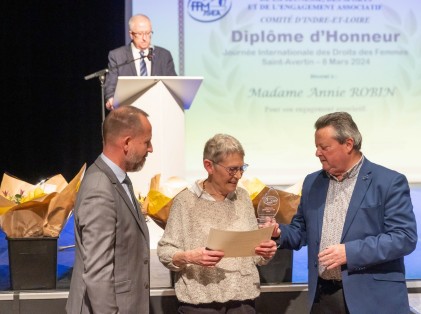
(237, 243)
(130, 88)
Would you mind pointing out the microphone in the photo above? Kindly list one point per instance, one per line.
(150, 54)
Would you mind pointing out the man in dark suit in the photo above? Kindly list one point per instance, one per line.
(111, 270)
(357, 220)
(137, 58)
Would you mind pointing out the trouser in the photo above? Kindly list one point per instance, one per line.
(329, 298)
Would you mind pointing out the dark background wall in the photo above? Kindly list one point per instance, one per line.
(50, 116)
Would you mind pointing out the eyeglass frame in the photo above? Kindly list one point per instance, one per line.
(232, 171)
(141, 34)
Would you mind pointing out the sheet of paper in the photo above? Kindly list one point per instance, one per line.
(237, 243)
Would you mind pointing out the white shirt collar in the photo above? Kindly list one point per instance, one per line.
(197, 188)
(119, 173)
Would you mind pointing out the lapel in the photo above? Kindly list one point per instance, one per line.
(317, 198)
(130, 206)
(361, 186)
(129, 56)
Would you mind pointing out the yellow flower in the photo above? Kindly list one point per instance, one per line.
(36, 193)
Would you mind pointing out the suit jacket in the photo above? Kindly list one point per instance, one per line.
(162, 65)
(111, 270)
(379, 230)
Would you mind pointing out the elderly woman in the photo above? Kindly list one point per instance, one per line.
(206, 282)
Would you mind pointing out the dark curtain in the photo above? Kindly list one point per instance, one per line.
(51, 117)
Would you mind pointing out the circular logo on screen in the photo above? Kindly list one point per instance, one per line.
(208, 10)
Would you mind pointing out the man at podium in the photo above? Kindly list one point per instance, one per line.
(139, 58)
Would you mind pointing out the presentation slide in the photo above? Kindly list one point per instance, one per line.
(272, 67)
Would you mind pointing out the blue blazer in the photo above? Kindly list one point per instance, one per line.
(162, 65)
(379, 230)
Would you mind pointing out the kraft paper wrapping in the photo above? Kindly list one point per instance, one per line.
(61, 205)
(160, 197)
(41, 210)
(26, 220)
(288, 202)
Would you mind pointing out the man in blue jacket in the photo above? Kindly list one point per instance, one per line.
(357, 220)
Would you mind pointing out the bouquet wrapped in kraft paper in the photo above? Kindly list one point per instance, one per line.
(289, 199)
(40, 210)
(158, 202)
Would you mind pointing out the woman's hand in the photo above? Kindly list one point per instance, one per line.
(200, 256)
(266, 249)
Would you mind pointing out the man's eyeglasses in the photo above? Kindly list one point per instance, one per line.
(142, 34)
(232, 171)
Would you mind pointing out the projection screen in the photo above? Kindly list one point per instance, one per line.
(272, 67)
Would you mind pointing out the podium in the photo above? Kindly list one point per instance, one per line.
(164, 98)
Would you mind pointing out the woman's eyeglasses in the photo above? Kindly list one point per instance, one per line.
(232, 171)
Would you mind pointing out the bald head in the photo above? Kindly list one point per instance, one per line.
(140, 30)
(139, 19)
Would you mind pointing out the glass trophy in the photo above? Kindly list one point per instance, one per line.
(268, 206)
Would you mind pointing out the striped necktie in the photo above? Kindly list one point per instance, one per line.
(143, 70)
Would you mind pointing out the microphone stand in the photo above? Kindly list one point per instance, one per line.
(102, 73)
(101, 76)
